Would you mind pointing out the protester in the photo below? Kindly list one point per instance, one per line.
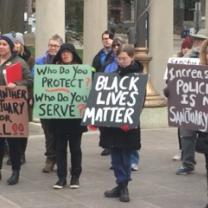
(185, 51)
(101, 59)
(21, 50)
(109, 67)
(54, 44)
(68, 131)
(204, 135)
(122, 141)
(188, 136)
(8, 57)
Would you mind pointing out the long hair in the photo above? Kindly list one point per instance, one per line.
(203, 53)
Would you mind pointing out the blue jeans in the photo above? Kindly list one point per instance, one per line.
(135, 157)
(121, 162)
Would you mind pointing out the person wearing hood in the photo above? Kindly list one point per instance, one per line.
(54, 44)
(8, 57)
(68, 131)
(122, 141)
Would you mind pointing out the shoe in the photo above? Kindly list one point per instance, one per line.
(206, 206)
(105, 152)
(60, 184)
(74, 183)
(113, 193)
(184, 171)
(134, 167)
(124, 192)
(49, 165)
(14, 178)
(177, 157)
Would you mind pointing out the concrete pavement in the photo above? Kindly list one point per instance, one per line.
(155, 185)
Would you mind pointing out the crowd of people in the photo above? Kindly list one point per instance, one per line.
(122, 144)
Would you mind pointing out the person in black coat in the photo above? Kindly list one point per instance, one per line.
(68, 131)
(122, 141)
(7, 58)
(102, 59)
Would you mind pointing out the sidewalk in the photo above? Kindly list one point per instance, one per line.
(155, 185)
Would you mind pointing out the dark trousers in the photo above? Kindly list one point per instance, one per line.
(179, 139)
(74, 141)
(15, 151)
(24, 146)
(121, 162)
(50, 139)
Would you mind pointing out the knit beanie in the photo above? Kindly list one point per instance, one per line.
(19, 38)
(187, 43)
(9, 40)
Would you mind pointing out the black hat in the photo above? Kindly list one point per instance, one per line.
(8, 40)
(67, 47)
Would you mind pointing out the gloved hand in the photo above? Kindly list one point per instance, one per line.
(92, 127)
(125, 127)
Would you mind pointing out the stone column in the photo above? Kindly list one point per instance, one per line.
(160, 40)
(50, 19)
(206, 14)
(95, 23)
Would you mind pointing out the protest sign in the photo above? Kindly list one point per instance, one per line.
(115, 100)
(13, 112)
(188, 96)
(61, 91)
(181, 60)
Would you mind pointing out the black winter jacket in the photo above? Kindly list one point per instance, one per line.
(115, 137)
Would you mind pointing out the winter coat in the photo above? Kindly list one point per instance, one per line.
(26, 76)
(111, 137)
(67, 126)
(97, 61)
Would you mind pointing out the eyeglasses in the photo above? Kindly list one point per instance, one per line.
(116, 44)
(54, 46)
(106, 38)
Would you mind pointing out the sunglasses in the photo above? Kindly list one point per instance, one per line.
(117, 44)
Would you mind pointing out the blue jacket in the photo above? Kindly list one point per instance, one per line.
(45, 59)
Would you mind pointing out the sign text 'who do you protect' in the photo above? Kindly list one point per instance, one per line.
(61, 91)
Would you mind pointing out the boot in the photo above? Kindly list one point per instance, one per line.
(115, 192)
(124, 193)
(14, 178)
(49, 165)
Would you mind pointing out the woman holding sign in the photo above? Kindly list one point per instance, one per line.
(111, 66)
(7, 59)
(122, 141)
(68, 131)
(202, 140)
